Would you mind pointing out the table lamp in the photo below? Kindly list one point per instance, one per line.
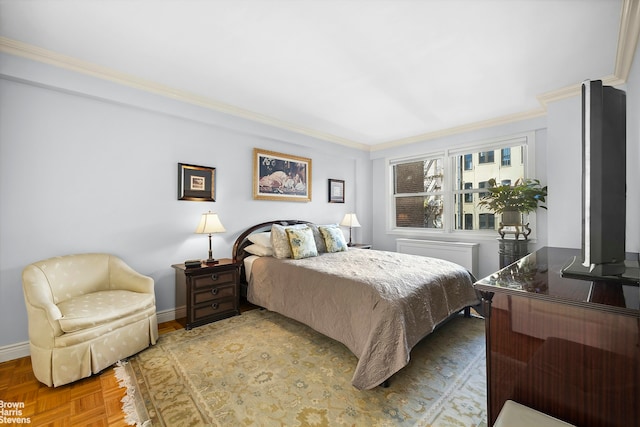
(209, 224)
(350, 220)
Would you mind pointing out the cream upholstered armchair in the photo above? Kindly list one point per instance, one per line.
(85, 313)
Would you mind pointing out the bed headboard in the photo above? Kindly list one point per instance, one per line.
(238, 253)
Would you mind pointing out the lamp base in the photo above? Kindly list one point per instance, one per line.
(210, 261)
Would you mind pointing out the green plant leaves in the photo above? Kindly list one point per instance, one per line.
(525, 196)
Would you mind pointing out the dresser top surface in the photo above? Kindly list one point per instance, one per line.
(539, 275)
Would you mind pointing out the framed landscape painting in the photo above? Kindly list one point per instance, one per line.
(278, 176)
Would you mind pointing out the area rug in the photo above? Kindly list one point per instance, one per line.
(261, 368)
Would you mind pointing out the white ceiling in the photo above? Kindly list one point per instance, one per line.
(359, 72)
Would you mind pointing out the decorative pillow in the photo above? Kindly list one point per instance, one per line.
(263, 239)
(303, 245)
(317, 236)
(280, 241)
(259, 250)
(333, 238)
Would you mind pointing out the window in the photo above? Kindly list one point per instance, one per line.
(468, 221)
(468, 162)
(468, 198)
(505, 154)
(417, 187)
(440, 192)
(485, 157)
(487, 221)
(483, 184)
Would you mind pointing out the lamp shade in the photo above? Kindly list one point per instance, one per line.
(210, 223)
(350, 220)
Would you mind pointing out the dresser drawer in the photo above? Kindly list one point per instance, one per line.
(217, 278)
(214, 293)
(213, 309)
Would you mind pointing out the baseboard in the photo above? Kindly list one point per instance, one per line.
(14, 351)
(18, 350)
(172, 314)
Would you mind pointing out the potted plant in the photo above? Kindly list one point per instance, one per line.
(512, 201)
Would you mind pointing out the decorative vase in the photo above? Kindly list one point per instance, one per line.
(513, 220)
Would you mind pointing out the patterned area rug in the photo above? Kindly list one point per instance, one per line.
(264, 369)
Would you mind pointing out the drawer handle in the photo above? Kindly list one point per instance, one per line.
(215, 305)
(214, 276)
(215, 291)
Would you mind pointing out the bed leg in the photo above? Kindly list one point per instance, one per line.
(386, 383)
(467, 312)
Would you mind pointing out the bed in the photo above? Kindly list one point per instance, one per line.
(378, 304)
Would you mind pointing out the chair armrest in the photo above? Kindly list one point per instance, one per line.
(121, 276)
(39, 299)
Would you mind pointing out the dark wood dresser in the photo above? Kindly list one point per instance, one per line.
(212, 291)
(566, 347)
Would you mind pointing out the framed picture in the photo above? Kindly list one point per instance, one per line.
(278, 176)
(336, 191)
(196, 183)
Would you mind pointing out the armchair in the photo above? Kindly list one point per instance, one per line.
(85, 313)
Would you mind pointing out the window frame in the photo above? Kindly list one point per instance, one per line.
(526, 140)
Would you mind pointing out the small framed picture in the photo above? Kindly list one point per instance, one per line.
(336, 191)
(196, 183)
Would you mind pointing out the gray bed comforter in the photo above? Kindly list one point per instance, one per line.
(378, 304)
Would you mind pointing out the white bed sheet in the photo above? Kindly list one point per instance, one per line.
(248, 262)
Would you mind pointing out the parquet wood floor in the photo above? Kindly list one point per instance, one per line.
(93, 401)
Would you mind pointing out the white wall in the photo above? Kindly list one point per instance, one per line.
(87, 165)
(564, 170)
(633, 156)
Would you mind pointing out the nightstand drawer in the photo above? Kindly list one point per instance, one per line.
(213, 309)
(214, 292)
(216, 278)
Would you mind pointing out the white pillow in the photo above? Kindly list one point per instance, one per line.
(280, 240)
(259, 250)
(263, 239)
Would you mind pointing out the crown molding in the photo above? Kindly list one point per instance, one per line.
(627, 44)
(627, 38)
(510, 118)
(35, 53)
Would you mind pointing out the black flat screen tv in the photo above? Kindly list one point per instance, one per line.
(603, 182)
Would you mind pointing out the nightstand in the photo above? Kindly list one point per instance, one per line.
(212, 291)
(360, 246)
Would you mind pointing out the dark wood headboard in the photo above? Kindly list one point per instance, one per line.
(238, 253)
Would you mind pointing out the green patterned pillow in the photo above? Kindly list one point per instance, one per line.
(333, 238)
(280, 241)
(303, 245)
